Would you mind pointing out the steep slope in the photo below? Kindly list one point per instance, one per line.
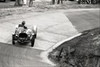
(81, 51)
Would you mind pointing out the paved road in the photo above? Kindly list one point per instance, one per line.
(52, 28)
(83, 20)
(20, 56)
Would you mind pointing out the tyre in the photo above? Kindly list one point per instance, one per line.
(35, 31)
(13, 41)
(35, 35)
(32, 41)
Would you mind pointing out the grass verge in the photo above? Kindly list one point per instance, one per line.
(8, 8)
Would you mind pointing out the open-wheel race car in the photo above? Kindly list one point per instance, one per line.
(24, 36)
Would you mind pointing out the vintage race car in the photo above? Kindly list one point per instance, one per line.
(24, 36)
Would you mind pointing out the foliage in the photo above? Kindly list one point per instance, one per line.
(81, 51)
(8, 8)
(89, 1)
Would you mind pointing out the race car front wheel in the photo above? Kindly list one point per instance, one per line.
(32, 41)
(13, 41)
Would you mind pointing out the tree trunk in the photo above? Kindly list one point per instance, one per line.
(18, 2)
(59, 1)
(30, 3)
(53, 1)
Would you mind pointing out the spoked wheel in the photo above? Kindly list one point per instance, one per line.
(13, 41)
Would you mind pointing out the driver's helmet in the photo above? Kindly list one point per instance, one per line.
(23, 22)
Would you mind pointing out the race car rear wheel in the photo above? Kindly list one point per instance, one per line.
(32, 42)
(13, 41)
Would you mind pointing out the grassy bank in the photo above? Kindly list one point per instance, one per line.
(81, 51)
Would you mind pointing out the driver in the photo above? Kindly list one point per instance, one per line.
(22, 25)
(20, 28)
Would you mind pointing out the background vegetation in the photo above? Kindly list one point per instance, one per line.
(8, 8)
(82, 51)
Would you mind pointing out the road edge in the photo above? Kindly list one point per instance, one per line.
(45, 54)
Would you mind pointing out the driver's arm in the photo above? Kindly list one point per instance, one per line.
(25, 27)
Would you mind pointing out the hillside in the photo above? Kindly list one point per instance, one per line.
(81, 51)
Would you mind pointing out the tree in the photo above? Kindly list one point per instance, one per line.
(60, 1)
(18, 2)
(53, 1)
(57, 1)
(30, 3)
